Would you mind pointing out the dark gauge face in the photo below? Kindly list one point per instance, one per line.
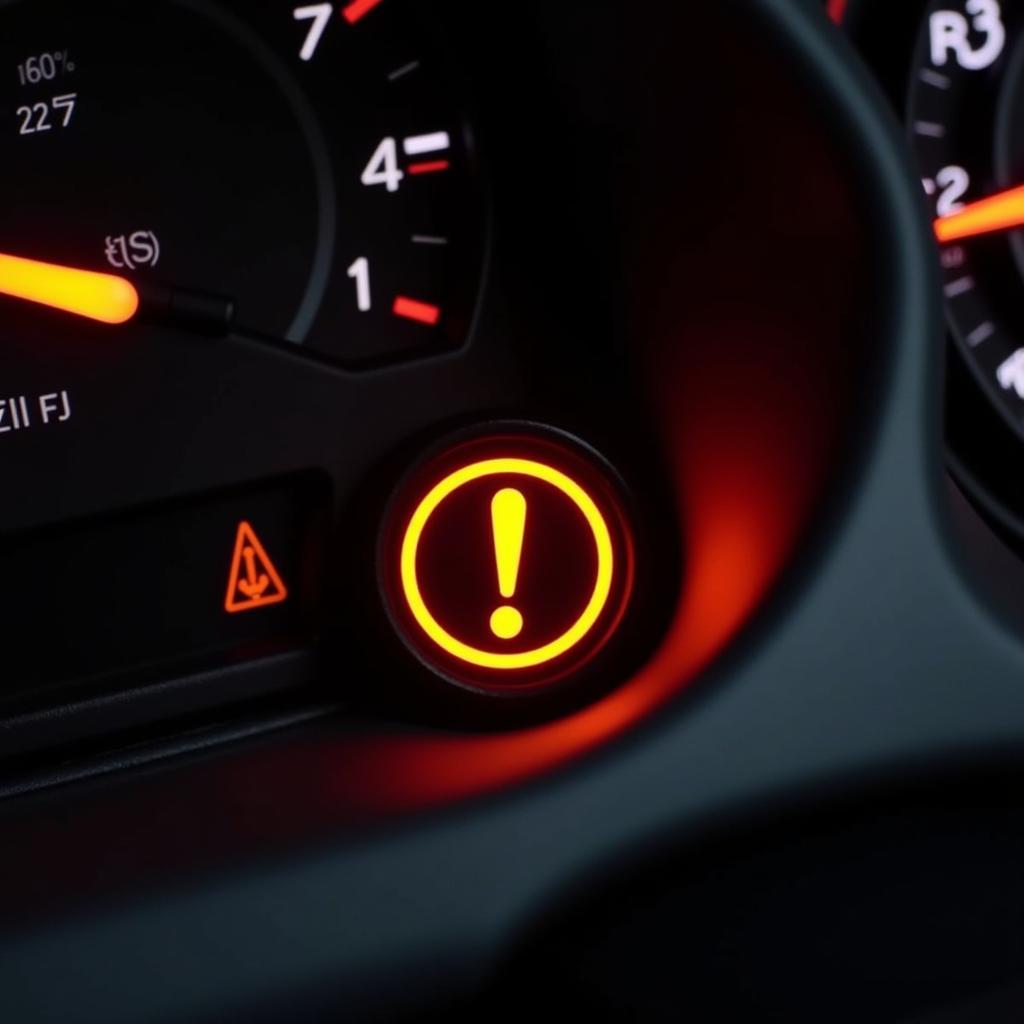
(288, 173)
(966, 120)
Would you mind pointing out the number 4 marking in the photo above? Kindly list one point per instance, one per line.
(320, 16)
(383, 167)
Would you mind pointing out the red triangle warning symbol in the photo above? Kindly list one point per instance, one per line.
(254, 581)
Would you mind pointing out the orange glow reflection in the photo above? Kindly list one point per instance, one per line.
(749, 465)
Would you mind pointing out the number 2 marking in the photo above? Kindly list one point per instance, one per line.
(34, 119)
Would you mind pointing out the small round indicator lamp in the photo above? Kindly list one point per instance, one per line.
(507, 562)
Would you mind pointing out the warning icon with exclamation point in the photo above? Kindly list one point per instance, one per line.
(507, 562)
(253, 581)
(508, 517)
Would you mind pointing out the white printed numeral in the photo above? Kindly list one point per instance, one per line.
(953, 183)
(360, 273)
(950, 32)
(36, 118)
(319, 15)
(383, 167)
(1011, 373)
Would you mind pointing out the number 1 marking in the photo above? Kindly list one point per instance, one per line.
(360, 273)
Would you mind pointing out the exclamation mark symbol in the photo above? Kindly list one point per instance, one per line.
(508, 521)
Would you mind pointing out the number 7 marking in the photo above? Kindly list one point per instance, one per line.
(65, 104)
(320, 15)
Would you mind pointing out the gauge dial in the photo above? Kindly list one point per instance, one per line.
(308, 179)
(966, 119)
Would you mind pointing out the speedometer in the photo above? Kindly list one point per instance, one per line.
(293, 175)
(227, 229)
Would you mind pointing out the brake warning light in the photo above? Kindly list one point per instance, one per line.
(254, 581)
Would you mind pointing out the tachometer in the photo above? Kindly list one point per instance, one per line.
(966, 119)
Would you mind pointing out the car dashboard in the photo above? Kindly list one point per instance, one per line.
(511, 509)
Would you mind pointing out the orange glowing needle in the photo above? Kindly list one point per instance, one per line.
(103, 297)
(1001, 212)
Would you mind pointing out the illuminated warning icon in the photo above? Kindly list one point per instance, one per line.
(254, 581)
(509, 562)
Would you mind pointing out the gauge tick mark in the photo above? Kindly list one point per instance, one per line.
(959, 287)
(433, 142)
(429, 167)
(422, 312)
(981, 333)
(359, 9)
(935, 79)
(405, 69)
(421, 145)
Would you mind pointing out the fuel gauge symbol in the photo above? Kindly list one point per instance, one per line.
(507, 562)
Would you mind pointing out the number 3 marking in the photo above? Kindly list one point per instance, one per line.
(950, 33)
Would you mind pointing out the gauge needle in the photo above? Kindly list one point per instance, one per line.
(103, 297)
(112, 299)
(1001, 212)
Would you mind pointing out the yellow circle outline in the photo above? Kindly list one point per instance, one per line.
(525, 659)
